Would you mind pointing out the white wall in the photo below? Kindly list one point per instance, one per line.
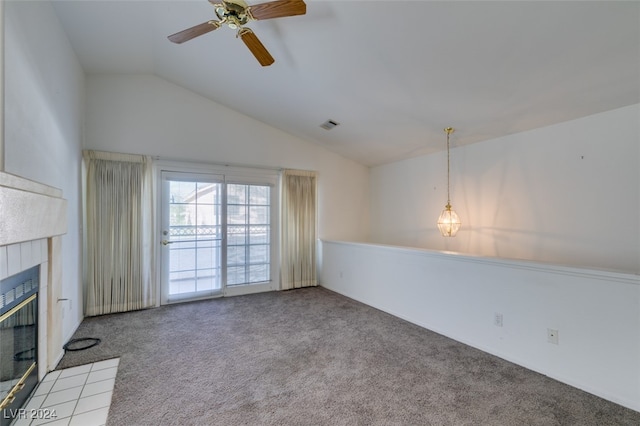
(44, 92)
(567, 194)
(144, 114)
(597, 314)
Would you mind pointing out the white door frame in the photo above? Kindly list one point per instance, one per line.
(229, 175)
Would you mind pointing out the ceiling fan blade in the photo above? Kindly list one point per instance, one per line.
(193, 32)
(256, 47)
(278, 9)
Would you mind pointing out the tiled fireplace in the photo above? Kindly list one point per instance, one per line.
(32, 220)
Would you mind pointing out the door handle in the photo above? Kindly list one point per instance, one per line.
(165, 242)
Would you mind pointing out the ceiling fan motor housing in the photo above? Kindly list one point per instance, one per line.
(234, 13)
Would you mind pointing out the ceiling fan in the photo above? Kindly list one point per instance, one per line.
(235, 14)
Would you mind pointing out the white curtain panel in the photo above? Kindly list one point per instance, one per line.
(298, 268)
(119, 233)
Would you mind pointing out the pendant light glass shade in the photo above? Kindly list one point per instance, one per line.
(448, 222)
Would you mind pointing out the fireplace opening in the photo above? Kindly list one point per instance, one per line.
(18, 341)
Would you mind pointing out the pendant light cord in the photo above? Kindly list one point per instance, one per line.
(448, 130)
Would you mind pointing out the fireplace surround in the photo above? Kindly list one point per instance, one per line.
(32, 222)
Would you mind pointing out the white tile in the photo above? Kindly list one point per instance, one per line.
(62, 395)
(69, 382)
(48, 417)
(4, 269)
(44, 250)
(52, 375)
(74, 371)
(55, 398)
(43, 293)
(101, 365)
(97, 387)
(44, 274)
(107, 373)
(43, 388)
(36, 246)
(35, 252)
(22, 421)
(91, 418)
(60, 422)
(93, 402)
(58, 412)
(26, 261)
(35, 402)
(13, 259)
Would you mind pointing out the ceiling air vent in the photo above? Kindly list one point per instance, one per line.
(329, 124)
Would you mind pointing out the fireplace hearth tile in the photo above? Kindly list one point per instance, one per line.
(91, 394)
(74, 371)
(44, 387)
(95, 388)
(59, 397)
(52, 376)
(69, 383)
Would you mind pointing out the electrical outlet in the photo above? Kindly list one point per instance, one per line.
(497, 319)
(552, 336)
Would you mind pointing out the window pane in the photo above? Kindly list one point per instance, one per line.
(182, 257)
(236, 215)
(207, 280)
(258, 273)
(237, 194)
(259, 254)
(259, 214)
(179, 215)
(259, 195)
(236, 275)
(236, 255)
(205, 257)
(181, 192)
(236, 235)
(208, 193)
(259, 234)
(206, 214)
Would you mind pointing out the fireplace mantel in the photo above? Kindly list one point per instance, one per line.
(29, 210)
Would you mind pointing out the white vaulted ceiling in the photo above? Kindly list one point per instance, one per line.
(392, 73)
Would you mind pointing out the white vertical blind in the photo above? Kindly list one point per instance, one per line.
(298, 267)
(119, 233)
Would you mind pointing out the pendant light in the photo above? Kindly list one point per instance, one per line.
(448, 222)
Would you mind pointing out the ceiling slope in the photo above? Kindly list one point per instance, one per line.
(393, 73)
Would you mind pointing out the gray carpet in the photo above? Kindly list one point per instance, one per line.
(313, 357)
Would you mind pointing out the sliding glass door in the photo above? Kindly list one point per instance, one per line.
(216, 235)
